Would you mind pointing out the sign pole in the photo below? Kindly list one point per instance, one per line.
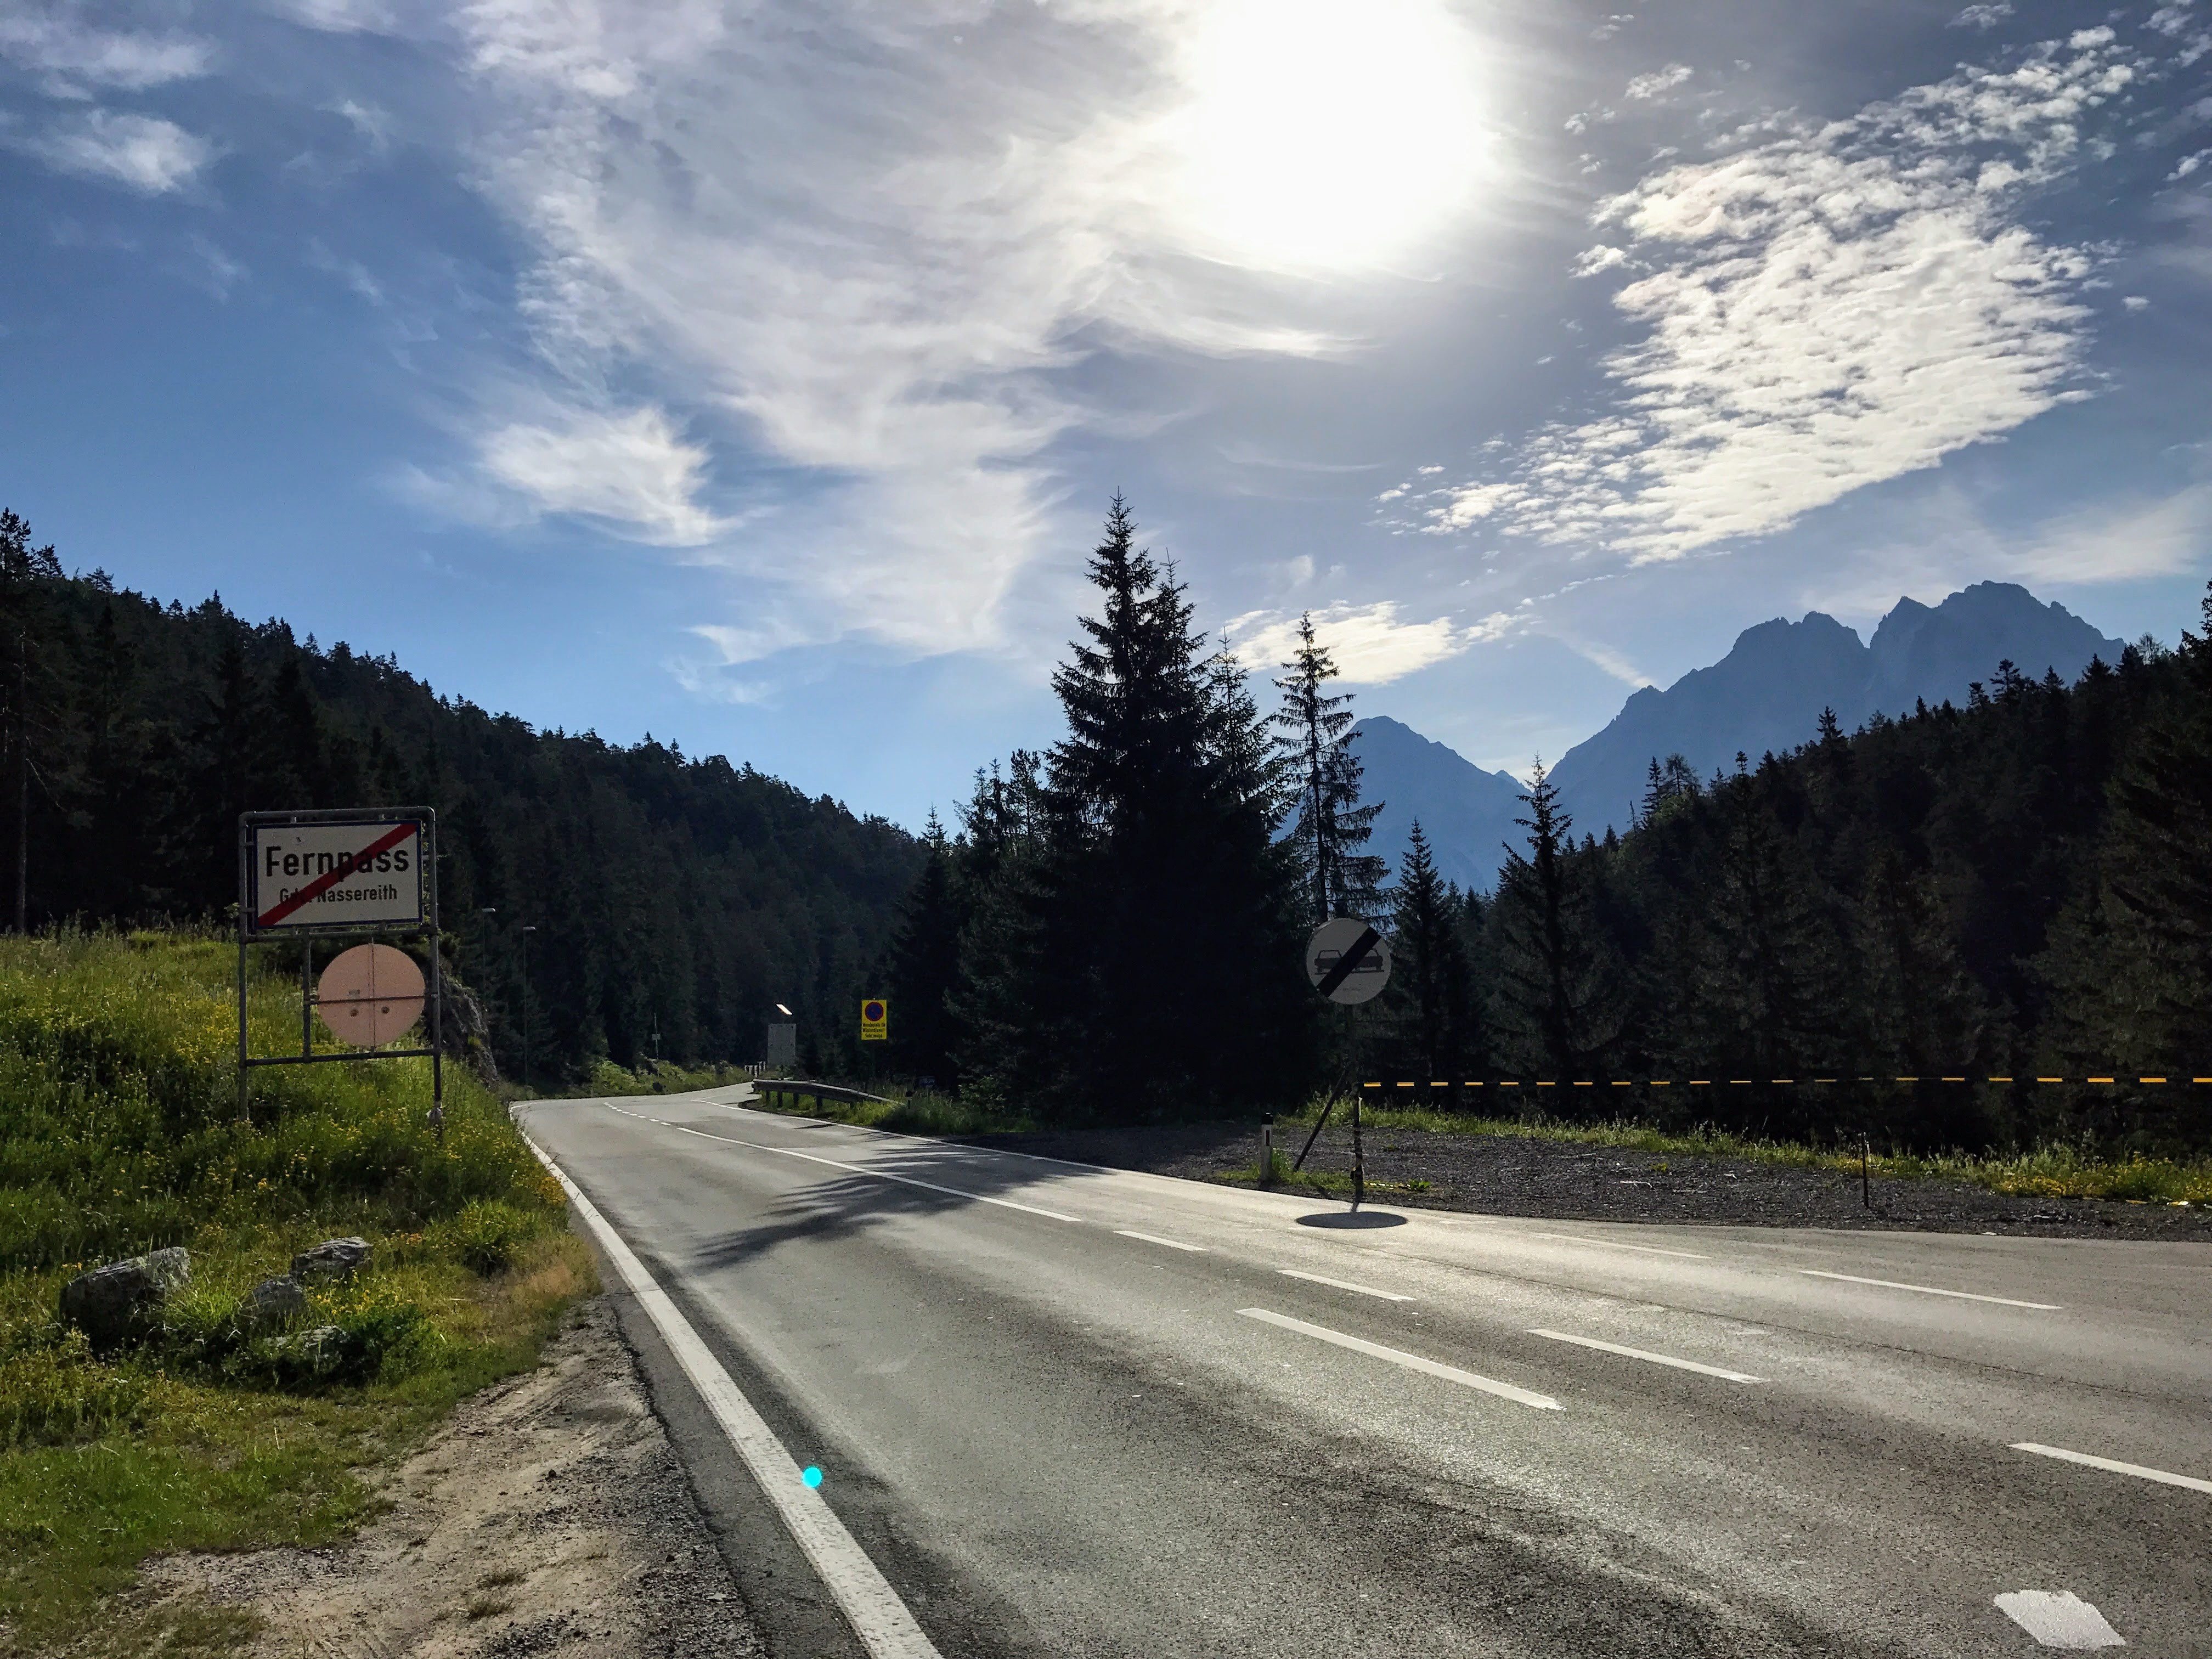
(1358, 1157)
(1348, 962)
(245, 924)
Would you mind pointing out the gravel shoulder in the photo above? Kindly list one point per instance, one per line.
(549, 1516)
(1565, 1181)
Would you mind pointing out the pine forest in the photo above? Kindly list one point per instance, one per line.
(1112, 928)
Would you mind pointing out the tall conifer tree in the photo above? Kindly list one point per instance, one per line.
(1332, 824)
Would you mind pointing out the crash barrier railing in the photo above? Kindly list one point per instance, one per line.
(797, 1087)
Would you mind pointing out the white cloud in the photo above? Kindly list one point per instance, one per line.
(1660, 81)
(144, 152)
(1825, 310)
(71, 54)
(1952, 543)
(631, 471)
(1371, 645)
(336, 17)
(1983, 16)
(875, 250)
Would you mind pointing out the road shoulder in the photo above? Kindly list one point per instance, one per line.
(549, 1516)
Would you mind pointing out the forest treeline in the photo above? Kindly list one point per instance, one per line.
(659, 904)
(2017, 888)
(1113, 928)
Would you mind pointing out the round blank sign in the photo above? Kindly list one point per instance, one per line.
(1347, 960)
(370, 995)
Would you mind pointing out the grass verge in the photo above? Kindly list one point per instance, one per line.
(118, 1133)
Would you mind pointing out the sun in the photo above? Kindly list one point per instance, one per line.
(1324, 134)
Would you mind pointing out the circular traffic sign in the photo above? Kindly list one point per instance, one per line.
(1347, 960)
(370, 995)
(872, 1012)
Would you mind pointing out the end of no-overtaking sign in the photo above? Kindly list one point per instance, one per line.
(1347, 960)
(356, 874)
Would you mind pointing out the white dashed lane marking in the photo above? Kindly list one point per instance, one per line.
(1196, 1249)
(2107, 1464)
(1646, 1354)
(1412, 1362)
(1933, 1290)
(855, 1169)
(1616, 1244)
(1342, 1284)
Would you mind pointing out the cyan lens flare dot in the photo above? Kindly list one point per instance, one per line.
(812, 1475)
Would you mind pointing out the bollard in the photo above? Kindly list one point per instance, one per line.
(1266, 1152)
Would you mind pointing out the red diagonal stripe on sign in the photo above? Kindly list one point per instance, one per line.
(323, 883)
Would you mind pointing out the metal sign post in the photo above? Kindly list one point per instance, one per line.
(1348, 962)
(346, 874)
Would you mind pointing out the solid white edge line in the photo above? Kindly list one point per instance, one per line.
(1125, 1232)
(1616, 1244)
(854, 1169)
(2135, 1469)
(1411, 1361)
(1645, 1353)
(872, 1608)
(1343, 1285)
(1932, 1289)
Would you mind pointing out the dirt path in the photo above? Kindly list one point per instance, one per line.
(1565, 1181)
(549, 1516)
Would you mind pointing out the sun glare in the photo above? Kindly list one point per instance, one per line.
(1325, 133)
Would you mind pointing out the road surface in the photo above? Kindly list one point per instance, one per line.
(1071, 1411)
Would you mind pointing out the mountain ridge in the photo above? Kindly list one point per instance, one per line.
(1765, 696)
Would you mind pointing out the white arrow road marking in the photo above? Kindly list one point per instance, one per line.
(2059, 1618)
(2135, 1469)
(1645, 1353)
(1411, 1361)
(1196, 1249)
(1343, 1285)
(870, 1605)
(1931, 1290)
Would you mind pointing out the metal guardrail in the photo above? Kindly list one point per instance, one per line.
(796, 1086)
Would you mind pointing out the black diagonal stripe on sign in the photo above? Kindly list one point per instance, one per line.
(1347, 964)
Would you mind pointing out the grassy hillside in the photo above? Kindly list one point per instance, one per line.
(118, 1133)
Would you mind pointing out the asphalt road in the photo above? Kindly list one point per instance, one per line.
(1068, 1411)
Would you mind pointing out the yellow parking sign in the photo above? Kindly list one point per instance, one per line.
(875, 1020)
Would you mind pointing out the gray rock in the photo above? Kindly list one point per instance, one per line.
(334, 1258)
(123, 1299)
(271, 1304)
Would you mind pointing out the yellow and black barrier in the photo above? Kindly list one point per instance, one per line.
(1743, 1082)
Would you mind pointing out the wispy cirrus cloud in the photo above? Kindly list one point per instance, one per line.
(1823, 310)
(144, 153)
(1371, 644)
(964, 204)
(70, 53)
(631, 471)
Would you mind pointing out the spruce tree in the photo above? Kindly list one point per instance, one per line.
(1429, 983)
(1332, 824)
(1141, 956)
(2130, 960)
(924, 969)
(30, 709)
(1556, 1010)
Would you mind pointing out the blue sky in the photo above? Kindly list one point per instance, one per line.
(755, 374)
